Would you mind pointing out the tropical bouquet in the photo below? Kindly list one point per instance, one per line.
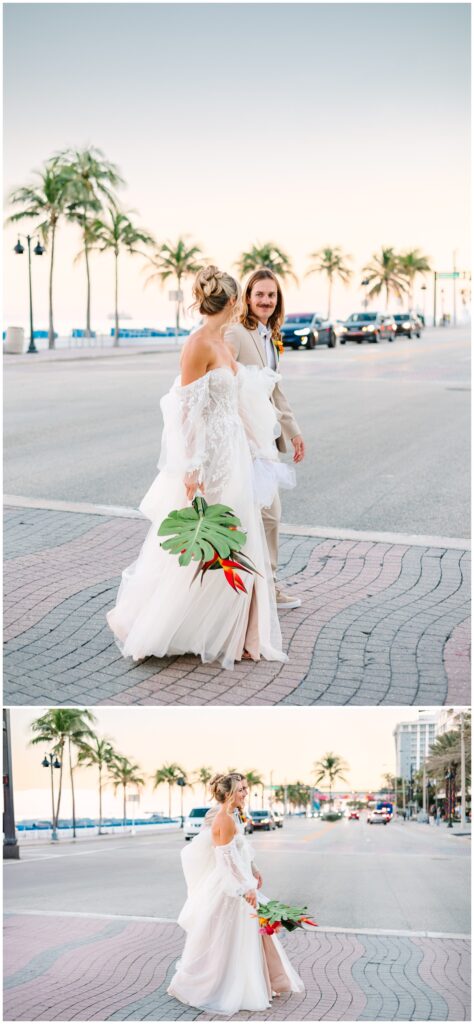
(211, 536)
(274, 915)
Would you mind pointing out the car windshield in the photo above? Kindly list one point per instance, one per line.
(198, 812)
(260, 814)
(401, 316)
(298, 318)
(365, 317)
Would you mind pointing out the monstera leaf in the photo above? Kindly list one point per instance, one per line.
(200, 531)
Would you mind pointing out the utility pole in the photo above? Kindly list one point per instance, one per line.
(434, 298)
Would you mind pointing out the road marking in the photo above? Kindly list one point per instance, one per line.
(320, 832)
(332, 929)
(293, 529)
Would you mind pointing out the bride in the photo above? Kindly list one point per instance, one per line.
(227, 965)
(219, 441)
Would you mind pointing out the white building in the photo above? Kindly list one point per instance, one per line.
(412, 743)
(447, 720)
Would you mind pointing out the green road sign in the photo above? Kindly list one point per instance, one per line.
(454, 273)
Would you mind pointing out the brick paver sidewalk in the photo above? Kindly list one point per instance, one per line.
(380, 622)
(83, 968)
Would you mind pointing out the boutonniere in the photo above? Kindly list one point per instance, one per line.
(278, 345)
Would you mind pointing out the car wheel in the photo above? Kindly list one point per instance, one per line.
(375, 339)
(332, 340)
(295, 346)
(418, 335)
(342, 341)
(392, 337)
(311, 341)
(408, 334)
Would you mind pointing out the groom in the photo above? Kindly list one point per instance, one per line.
(254, 341)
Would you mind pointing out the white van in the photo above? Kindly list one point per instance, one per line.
(193, 821)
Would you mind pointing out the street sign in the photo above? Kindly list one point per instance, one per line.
(453, 273)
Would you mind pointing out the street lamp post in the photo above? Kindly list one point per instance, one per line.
(51, 761)
(181, 782)
(38, 251)
(449, 777)
(11, 849)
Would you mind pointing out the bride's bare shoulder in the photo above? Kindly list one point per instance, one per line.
(195, 357)
(223, 829)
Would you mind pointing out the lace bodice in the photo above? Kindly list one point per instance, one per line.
(202, 427)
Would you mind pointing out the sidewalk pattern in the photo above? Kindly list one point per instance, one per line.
(379, 623)
(77, 968)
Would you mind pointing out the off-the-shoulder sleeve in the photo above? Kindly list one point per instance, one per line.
(183, 447)
(234, 876)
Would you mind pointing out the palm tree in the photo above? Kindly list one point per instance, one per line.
(116, 232)
(254, 779)
(299, 795)
(124, 773)
(385, 273)
(330, 767)
(169, 773)
(268, 256)
(92, 179)
(333, 263)
(98, 753)
(179, 260)
(204, 776)
(413, 263)
(57, 727)
(45, 202)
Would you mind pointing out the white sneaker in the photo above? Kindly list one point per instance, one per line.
(285, 601)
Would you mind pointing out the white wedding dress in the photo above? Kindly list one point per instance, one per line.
(226, 965)
(222, 428)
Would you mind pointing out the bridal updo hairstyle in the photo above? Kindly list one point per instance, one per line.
(223, 786)
(212, 290)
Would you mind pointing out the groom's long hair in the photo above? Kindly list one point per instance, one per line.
(248, 319)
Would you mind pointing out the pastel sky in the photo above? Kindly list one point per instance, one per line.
(306, 124)
(282, 741)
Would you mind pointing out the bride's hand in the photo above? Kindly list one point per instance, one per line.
(251, 897)
(192, 486)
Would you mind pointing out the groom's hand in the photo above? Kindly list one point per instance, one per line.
(298, 445)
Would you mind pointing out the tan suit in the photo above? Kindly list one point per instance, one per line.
(249, 348)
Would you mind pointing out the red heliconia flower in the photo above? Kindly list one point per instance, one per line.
(307, 920)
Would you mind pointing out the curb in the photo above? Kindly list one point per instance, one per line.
(292, 529)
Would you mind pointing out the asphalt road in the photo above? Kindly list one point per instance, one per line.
(352, 875)
(386, 426)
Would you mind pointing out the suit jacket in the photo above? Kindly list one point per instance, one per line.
(249, 348)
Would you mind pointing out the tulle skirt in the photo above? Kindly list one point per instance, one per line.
(159, 610)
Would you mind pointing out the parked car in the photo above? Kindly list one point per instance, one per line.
(378, 818)
(193, 821)
(408, 324)
(248, 825)
(354, 816)
(299, 330)
(368, 327)
(263, 819)
(278, 819)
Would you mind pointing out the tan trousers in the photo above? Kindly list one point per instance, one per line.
(271, 520)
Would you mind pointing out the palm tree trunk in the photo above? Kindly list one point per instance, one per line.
(88, 285)
(60, 787)
(100, 799)
(73, 795)
(51, 341)
(387, 294)
(124, 803)
(169, 799)
(116, 338)
(329, 297)
(178, 303)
